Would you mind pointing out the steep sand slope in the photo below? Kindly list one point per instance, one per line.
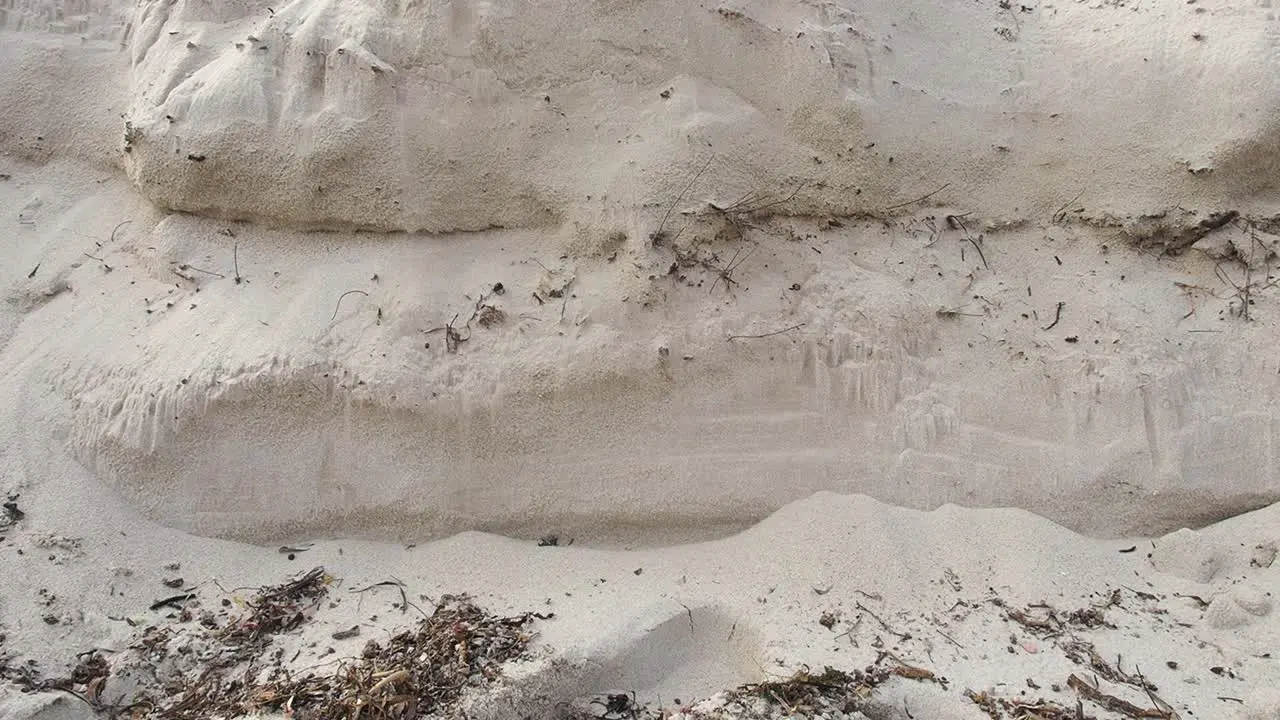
(718, 259)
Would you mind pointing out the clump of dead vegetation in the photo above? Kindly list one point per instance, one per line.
(829, 693)
(714, 226)
(215, 669)
(416, 673)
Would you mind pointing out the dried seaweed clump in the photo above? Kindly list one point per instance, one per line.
(415, 674)
(276, 610)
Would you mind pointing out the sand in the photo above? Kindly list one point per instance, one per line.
(788, 306)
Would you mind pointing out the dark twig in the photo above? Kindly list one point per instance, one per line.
(105, 266)
(453, 338)
(949, 638)
(172, 600)
(768, 334)
(1057, 315)
(922, 198)
(981, 255)
(1156, 700)
(1112, 703)
(404, 599)
(339, 305)
(235, 261)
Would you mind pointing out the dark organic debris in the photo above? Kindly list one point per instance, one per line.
(276, 610)
(488, 316)
(241, 672)
(12, 514)
(1113, 703)
(997, 707)
(805, 691)
(804, 694)
(417, 672)
(174, 601)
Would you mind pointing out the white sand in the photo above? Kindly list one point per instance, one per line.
(185, 212)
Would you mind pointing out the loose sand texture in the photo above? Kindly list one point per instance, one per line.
(931, 342)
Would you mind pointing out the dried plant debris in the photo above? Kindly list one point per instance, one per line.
(417, 672)
(1045, 621)
(830, 693)
(212, 670)
(488, 316)
(1000, 708)
(277, 610)
(235, 663)
(10, 513)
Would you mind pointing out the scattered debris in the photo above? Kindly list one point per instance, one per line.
(489, 316)
(12, 514)
(1113, 703)
(415, 674)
